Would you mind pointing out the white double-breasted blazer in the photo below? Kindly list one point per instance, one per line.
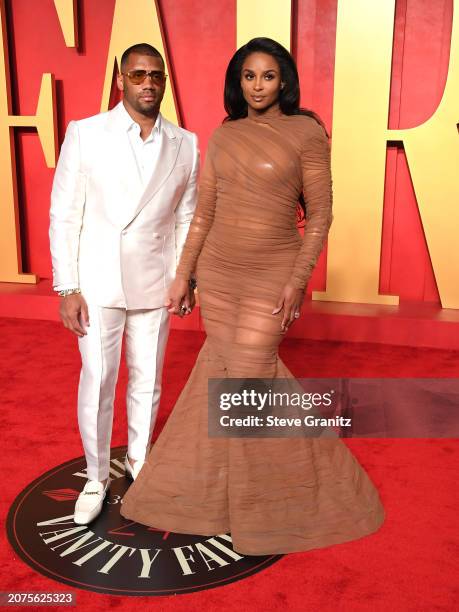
(112, 236)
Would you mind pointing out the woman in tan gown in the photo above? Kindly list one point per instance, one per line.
(275, 495)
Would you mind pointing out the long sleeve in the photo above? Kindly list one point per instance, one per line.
(317, 191)
(202, 219)
(67, 206)
(186, 207)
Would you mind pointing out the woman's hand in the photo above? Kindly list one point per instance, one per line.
(190, 300)
(290, 301)
(180, 297)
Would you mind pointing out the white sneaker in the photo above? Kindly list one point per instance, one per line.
(89, 502)
(132, 472)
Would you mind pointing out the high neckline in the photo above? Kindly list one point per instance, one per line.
(273, 112)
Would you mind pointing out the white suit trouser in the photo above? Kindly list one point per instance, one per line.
(146, 334)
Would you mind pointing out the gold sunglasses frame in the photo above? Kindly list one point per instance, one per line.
(148, 73)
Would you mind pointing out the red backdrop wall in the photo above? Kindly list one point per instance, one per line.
(201, 37)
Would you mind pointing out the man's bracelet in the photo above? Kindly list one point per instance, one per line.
(66, 292)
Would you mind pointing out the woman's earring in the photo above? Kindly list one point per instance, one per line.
(282, 85)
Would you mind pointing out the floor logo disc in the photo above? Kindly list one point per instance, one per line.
(113, 555)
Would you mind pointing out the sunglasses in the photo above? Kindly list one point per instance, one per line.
(138, 76)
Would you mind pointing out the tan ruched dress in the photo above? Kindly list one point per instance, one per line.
(275, 495)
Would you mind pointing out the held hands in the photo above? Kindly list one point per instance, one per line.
(180, 298)
(290, 300)
(74, 314)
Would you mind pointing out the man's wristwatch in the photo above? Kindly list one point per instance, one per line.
(192, 283)
(66, 292)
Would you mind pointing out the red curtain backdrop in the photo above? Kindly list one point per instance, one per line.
(201, 37)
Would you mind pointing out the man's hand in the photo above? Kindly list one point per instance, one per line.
(290, 302)
(74, 314)
(180, 298)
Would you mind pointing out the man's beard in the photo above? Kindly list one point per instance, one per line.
(147, 108)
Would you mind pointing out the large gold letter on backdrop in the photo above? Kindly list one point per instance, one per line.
(432, 151)
(67, 13)
(364, 35)
(44, 121)
(137, 22)
(360, 135)
(271, 18)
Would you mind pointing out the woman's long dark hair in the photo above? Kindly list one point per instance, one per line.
(289, 97)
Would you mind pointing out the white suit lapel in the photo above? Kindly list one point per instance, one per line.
(167, 156)
(124, 166)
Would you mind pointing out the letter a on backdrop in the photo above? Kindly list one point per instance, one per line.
(137, 22)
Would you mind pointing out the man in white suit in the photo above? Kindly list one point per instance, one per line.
(123, 196)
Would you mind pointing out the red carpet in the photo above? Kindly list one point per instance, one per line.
(410, 564)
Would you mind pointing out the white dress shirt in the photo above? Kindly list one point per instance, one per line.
(146, 153)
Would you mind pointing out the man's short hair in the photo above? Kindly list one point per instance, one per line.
(141, 49)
